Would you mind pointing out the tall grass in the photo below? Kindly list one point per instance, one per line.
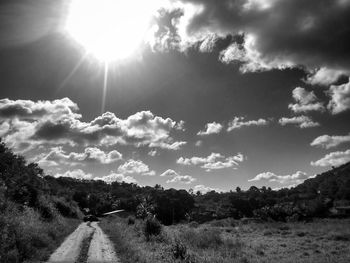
(28, 236)
(174, 244)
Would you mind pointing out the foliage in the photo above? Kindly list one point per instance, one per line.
(151, 227)
(25, 236)
(179, 250)
(131, 220)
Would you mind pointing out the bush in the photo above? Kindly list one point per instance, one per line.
(47, 209)
(152, 227)
(131, 220)
(179, 250)
(26, 237)
(66, 208)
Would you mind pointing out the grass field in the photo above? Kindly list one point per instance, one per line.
(233, 241)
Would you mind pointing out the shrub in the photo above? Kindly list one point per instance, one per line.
(47, 209)
(131, 220)
(26, 237)
(152, 227)
(65, 208)
(179, 250)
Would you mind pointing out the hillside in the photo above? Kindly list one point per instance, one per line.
(333, 184)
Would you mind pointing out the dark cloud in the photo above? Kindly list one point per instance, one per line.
(312, 33)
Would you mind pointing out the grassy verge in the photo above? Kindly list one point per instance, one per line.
(232, 241)
(26, 237)
(175, 244)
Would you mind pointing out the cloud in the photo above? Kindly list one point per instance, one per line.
(135, 167)
(114, 177)
(324, 76)
(293, 179)
(317, 35)
(333, 159)
(57, 122)
(305, 101)
(205, 189)
(301, 121)
(152, 153)
(177, 178)
(4, 128)
(76, 174)
(340, 98)
(214, 161)
(199, 143)
(327, 141)
(27, 109)
(211, 128)
(238, 122)
(91, 154)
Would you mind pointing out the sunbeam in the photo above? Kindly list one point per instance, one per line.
(105, 86)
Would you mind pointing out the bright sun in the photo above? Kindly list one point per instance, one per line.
(110, 30)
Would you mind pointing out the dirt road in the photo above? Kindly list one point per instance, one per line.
(88, 244)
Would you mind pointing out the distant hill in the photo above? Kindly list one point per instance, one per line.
(333, 184)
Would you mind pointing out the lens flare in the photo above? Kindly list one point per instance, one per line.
(110, 29)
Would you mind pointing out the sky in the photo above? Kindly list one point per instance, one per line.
(200, 94)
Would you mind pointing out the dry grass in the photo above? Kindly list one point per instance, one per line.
(230, 241)
(25, 237)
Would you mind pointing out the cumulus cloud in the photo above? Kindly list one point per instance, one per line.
(293, 179)
(27, 109)
(91, 154)
(340, 98)
(114, 177)
(239, 122)
(315, 29)
(325, 76)
(214, 161)
(57, 122)
(205, 189)
(135, 167)
(211, 128)
(301, 121)
(76, 174)
(4, 128)
(327, 141)
(333, 159)
(177, 178)
(305, 101)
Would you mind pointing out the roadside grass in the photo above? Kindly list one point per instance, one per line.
(26, 237)
(179, 243)
(320, 241)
